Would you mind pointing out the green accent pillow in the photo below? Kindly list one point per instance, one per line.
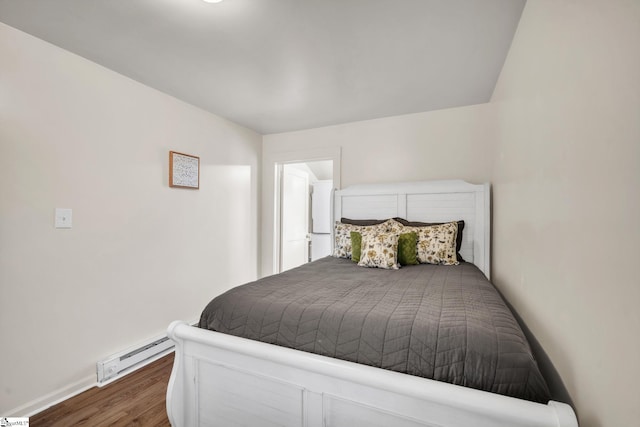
(407, 248)
(356, 246)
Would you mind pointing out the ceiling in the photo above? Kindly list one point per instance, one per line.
(282, 65)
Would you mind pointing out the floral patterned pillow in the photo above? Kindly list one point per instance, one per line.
(343, 234)
(390, 226)
(379, 250)
(437, 243)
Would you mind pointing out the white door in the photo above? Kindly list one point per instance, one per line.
(295, 218)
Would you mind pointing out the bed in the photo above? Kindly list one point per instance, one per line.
(282, 355)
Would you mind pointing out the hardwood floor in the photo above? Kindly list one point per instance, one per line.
(138, 399)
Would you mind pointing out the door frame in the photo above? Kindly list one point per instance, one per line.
(271, 197)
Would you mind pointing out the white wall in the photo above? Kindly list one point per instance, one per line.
(140, 254)
(560, 142)
(446, 144)
(566, 196)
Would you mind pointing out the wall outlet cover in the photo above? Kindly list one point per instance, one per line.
(63, 218)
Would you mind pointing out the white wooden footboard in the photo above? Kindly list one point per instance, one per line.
(222, 380)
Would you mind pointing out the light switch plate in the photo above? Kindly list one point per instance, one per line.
(63, 218)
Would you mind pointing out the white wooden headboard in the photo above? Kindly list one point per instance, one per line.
(426, 201)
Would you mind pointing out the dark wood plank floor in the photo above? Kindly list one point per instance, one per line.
(138, 399)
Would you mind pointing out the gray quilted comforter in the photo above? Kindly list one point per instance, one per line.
(447, 323)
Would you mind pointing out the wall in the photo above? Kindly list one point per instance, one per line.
(140, 254)
(560, 142)
(566, 196)
(445, 144)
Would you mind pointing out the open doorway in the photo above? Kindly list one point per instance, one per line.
(305, 212)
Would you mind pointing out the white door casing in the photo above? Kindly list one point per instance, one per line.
(273, 162)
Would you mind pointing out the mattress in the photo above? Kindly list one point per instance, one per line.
(446, 323)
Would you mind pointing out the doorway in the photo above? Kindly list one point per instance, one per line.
(305, 212)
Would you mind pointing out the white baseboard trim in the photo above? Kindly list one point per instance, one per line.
(40, 404)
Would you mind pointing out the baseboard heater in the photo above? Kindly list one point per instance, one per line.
(127, 361)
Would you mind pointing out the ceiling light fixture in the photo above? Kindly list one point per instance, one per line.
(212, 1)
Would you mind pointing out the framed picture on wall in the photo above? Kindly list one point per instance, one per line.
(184, 170)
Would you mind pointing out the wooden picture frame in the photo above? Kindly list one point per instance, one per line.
(184, 170)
